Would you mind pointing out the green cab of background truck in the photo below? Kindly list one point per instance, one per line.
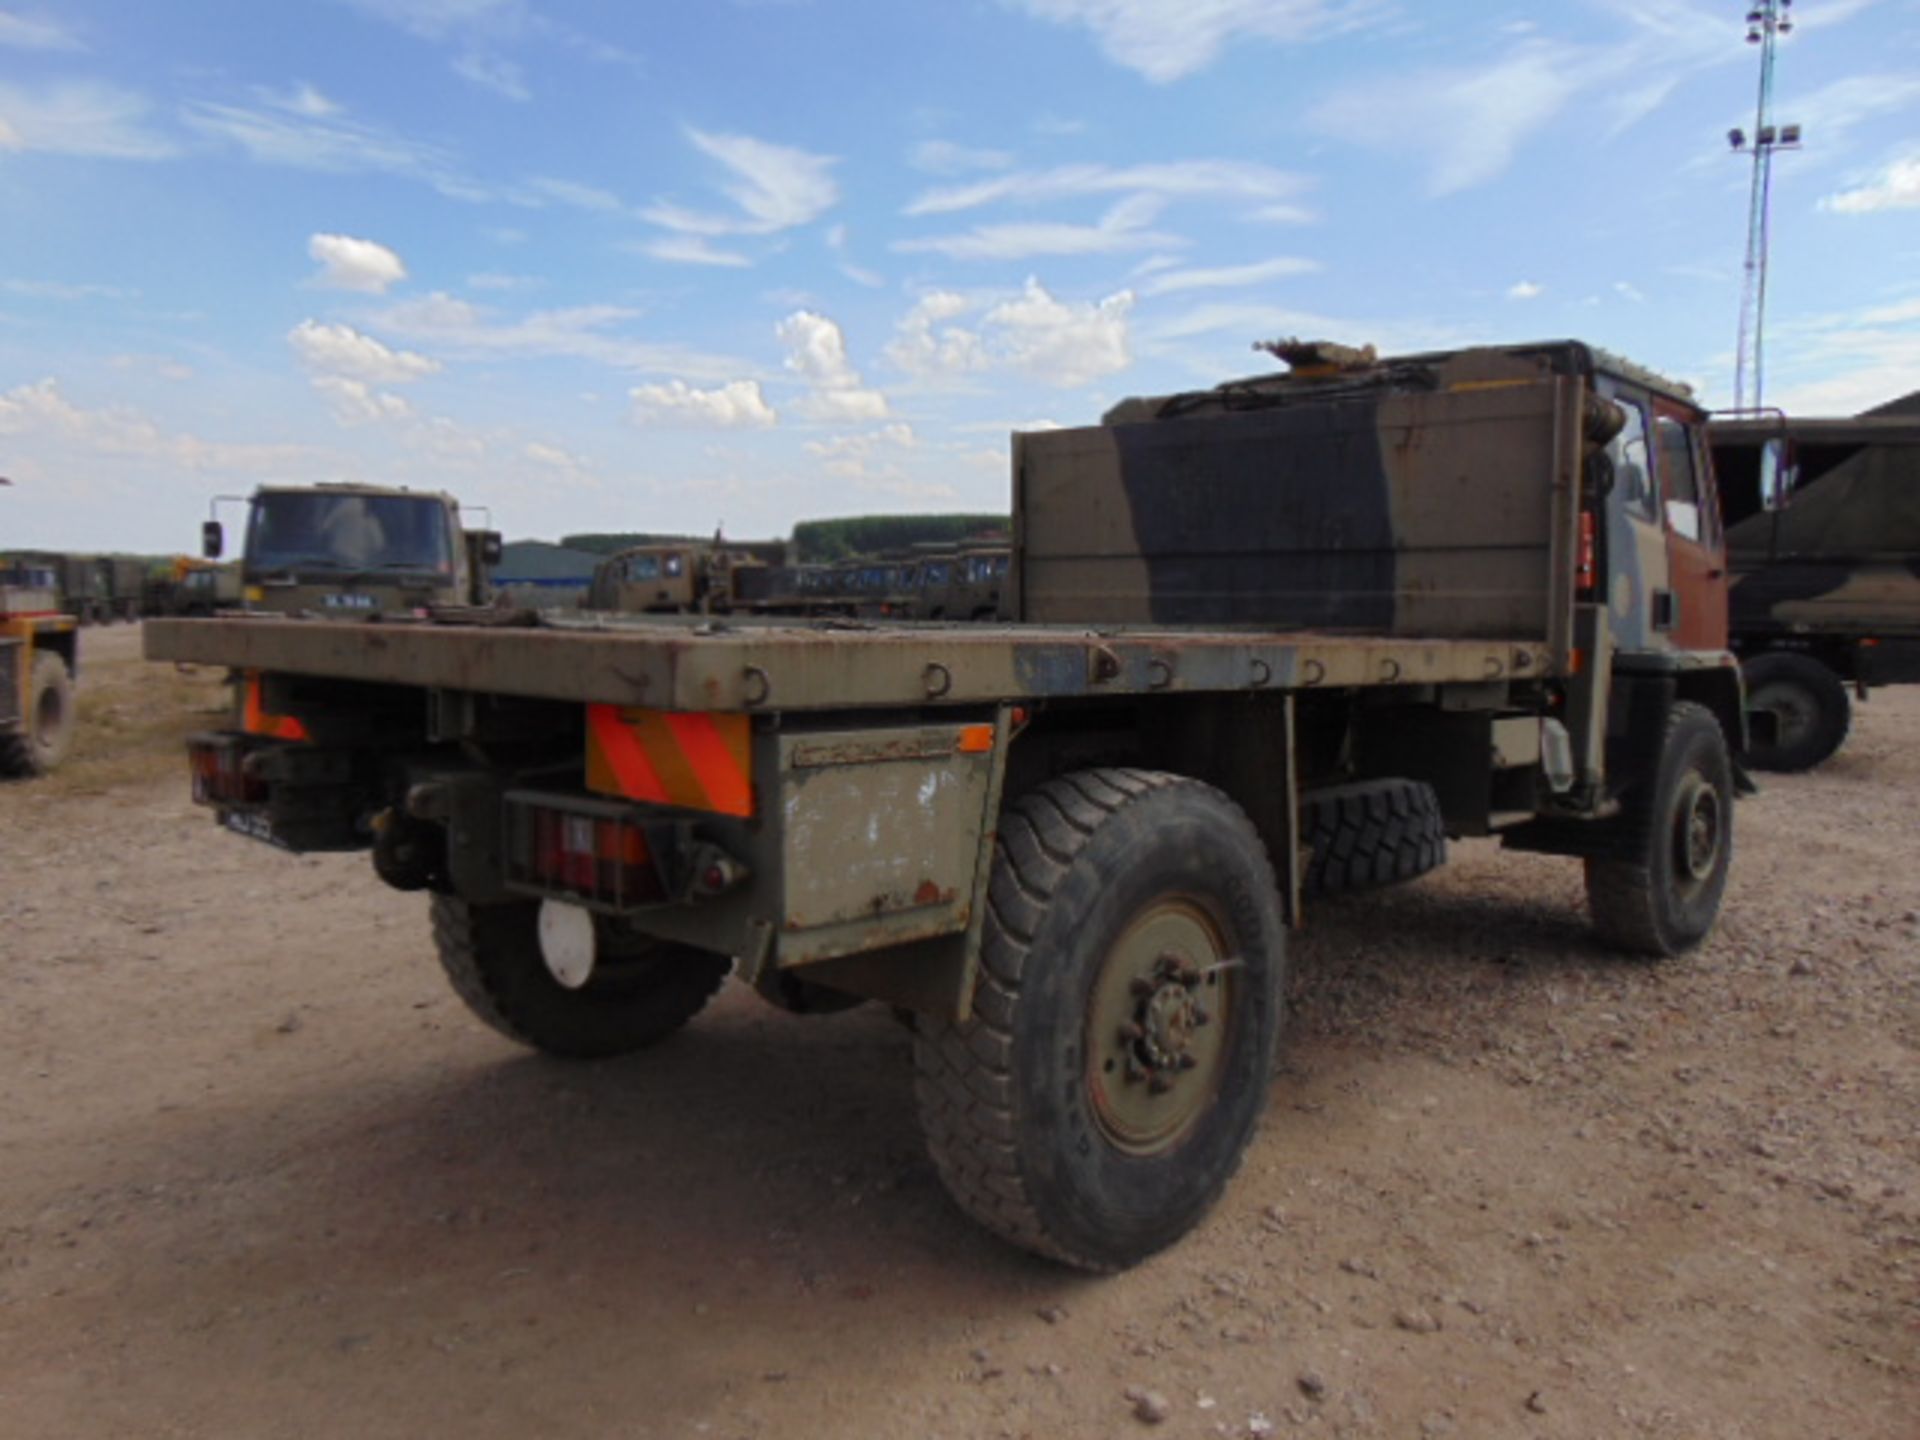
(1823, 540)
(348, 551)
(680, 578)
(1272, 641)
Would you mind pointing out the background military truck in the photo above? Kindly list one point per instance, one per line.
(680, 578)
(1280, 636)
(1823, 539)
(341, 550)
(39, 657)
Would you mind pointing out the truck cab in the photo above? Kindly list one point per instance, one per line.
(1823, 532)
(351, 551)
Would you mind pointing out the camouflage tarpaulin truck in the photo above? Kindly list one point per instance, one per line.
(350, 551)
(39, 656)
(1275, 639)
(1823, 537)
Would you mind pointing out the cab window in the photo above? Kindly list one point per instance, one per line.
(1632, 469)
(1680, 479)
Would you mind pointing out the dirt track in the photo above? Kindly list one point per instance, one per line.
(260, 1175)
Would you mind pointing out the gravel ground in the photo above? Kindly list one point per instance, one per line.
(264, 1177)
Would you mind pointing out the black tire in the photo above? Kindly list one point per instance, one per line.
(491, 954)
(1369, 834)
(1663, 893)
(1810, 706)
(46, 720)
(1018, 1104)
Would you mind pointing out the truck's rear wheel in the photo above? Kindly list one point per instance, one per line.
(1809, 705)
(1123, 1032)
(634, 998)
(46, 720)
(1663, 894)
(1370, 833)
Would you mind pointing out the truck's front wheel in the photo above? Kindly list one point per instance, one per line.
(635, 997)
(1123, 1032)
(1662, 894)
(46, 732)
(1808, 703)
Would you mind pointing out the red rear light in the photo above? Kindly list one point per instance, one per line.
(1588, 562)
(220, 775)
(591, 857)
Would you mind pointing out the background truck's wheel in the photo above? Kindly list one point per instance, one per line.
(46, 720)
(1124, 1028)
(1370, 833)
(1676, 830)
(635, 997)
(1810, 708)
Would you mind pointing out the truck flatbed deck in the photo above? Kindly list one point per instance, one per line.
(685, 664)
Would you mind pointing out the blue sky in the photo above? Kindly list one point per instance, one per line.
(660, 266)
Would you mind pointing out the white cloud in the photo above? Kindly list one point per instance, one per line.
(1168, 282)
(35, 32)
(733, 406)
(817, 353)
(943, 157)
(349, 263)
(1896, 187)
(776, 187)
(342, 350)
(691, 250)
(1525, 290)
(1185, 179)
(553, 457)
(80, 118)
(1033, 334)
(1627, 290)
(1165, 40)
(501, 280)
(490, 72)
(42, 410)
(306, 100)
(330, 145)
(1468, 122)
(354, 402)
(579, 196)
(1835, 110)
(65, 290)
(456, 327)
(1062, 343)
(1121, 229)
(928, 345)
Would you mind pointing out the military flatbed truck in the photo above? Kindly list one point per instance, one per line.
(1278, 637)
(39, 656)
(1823, 539)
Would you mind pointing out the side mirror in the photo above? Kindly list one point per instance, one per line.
(1776, 474)
(490, 547)
(213, 539)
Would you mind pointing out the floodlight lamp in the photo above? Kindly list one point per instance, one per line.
(1737, 139)
(1790, 135)
(1785, 27)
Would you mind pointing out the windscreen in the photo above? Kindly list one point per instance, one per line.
(347, 531)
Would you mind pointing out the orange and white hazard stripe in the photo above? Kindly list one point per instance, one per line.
(255, 720)
(696, 760)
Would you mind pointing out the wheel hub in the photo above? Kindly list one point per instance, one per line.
(1155, 1047)
(1698, 826)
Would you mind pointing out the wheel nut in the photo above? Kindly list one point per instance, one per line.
(1187, 1062)
(1200, 1016)
(1159, 1085)
(1142, 988)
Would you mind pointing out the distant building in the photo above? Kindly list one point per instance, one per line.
(539, 574)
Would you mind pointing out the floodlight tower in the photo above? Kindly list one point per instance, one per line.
(1767, 21)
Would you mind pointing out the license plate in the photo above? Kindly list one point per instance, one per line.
(346, 602)
(253, 825)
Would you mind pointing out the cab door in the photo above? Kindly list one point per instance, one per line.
(1696, 605)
